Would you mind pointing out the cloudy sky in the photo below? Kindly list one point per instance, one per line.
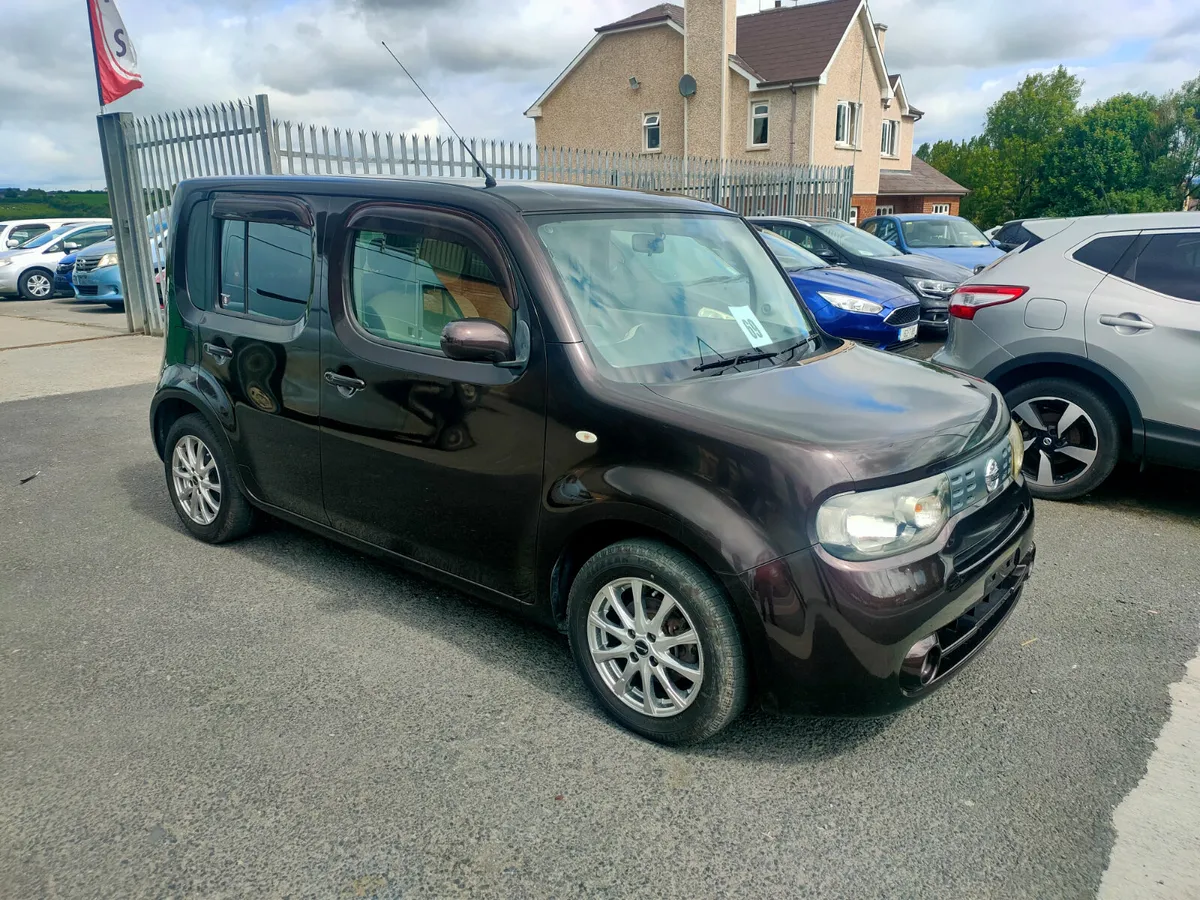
(485, 61)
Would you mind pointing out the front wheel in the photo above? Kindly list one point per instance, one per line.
(657, 643)
(1072, 439)
(36, 284)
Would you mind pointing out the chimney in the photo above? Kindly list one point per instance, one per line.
(710, 28)
(880, 32)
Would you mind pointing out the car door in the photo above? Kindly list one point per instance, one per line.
(1143, 325)
(436, 459)
(259, 336)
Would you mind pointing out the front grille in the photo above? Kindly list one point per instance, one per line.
(905, 315)
(88, 290)
(86, 265)
(965, 633)
(968, 483)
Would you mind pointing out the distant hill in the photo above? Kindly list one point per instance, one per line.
(16, 204)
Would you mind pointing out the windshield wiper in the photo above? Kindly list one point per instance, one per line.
(717, 279)
(736, 361)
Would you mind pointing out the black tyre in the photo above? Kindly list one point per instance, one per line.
(640, 611)
(1072, 438)
(117, 305)
(36, 284)
(200, 480)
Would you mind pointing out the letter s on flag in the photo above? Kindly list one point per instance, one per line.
(116, 59)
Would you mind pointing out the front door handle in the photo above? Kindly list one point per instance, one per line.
(347, 385)
(1127, 320)
(220, 354)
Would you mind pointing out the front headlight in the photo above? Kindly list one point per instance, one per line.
(929, 287)
(849, 303)
(108, 259)
(874, 524)
(1017, 440)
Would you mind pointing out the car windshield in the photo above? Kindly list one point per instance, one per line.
(854, 240)
(792, 257)
(657, 294)
(948, 232)
(49, 237)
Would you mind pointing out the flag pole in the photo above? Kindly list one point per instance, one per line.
(95, 56)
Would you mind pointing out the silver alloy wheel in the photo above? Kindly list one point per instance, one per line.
(196, 479)
(38, 285)
(645, 648)
(1061, 441)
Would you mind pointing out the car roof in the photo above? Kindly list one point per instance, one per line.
(905, 217)
(525, 196)
(800, 220)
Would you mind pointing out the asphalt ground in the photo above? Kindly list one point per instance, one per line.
(282, 717)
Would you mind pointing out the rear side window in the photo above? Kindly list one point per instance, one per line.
(1103, 252)
(266, 269)
(1169, 264)
(407, 284)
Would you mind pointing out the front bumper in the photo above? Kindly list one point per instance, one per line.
(935, 313)
(838, 633)
(99, 285)
(869, 328)
(8, 279)
(62, 283)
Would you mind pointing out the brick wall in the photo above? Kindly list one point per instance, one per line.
(928, 202)
(865, 204)
(915, 203)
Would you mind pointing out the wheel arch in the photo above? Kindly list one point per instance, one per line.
(24, 276)
(1086, 372)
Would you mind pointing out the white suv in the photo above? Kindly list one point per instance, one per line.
(15, 232)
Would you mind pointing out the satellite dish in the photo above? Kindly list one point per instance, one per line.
(687, 86)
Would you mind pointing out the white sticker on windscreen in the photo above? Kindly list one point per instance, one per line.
(751, 327)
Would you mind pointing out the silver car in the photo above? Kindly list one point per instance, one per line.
(29, 270)
(1092, 331)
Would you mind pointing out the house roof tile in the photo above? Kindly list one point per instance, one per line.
(663, 12)
(922, 179)
(794, 43)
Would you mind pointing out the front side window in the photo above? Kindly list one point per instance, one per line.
(407, 285)
(891, 129)
(651, 135)
(849, 123)
(887, 231)
(266, 269)
(1169, 264)
(89, 236)
(948, 232)
(760, 124)
(792, 257)
(658, 294)
(22, 233)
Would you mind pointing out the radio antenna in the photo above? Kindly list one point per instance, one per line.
(488, 180)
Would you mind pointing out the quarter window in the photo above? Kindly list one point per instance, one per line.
(406, 286)
(1103, 252)
(887, 144)
(1169, 264)
(651, 133)
(266, 269)
(760, 124)
(849, 124)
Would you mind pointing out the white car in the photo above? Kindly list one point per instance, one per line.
(29, 270)
(15, 232)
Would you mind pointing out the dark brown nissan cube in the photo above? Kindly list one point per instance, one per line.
(605, 409)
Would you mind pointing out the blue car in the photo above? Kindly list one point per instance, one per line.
(97, 276)
(62, 275)
(846, 303)
(951, 238)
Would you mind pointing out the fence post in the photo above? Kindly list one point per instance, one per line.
(129, 225)
(267, 136)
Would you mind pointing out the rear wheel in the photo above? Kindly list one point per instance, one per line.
(36, 284)
(200, 479)
(657, 643)
(1072, 439)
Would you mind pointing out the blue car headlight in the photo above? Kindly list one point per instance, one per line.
(850, 303)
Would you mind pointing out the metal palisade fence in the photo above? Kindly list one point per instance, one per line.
(146, 157)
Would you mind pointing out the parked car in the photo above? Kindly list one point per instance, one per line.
(97, 276)
(951, 238)
(1092, 334)
(30, 270)
(15, 232)
(849, 304)
(933, 280)
(63, 272)
(1012, 235)
(687, 476)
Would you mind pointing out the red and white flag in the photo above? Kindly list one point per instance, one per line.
(116, 60)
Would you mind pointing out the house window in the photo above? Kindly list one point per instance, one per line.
(651, 136)
(941, 209)
(849, 124)
(854, 215)
(891, 133)
(884, 210)
(760, 133)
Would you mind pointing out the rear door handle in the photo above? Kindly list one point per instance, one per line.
(219, 353)
(347, 385)
(1127, 320)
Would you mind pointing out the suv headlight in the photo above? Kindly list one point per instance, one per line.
(1017, 440)
(874, 524)
(108, 259)
(849, 303)
(929, 287)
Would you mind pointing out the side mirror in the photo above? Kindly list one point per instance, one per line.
(10, 244)
(826, 253)
(71, 246)
(477, 340)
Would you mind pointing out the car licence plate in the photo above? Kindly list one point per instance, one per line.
(908, 332)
